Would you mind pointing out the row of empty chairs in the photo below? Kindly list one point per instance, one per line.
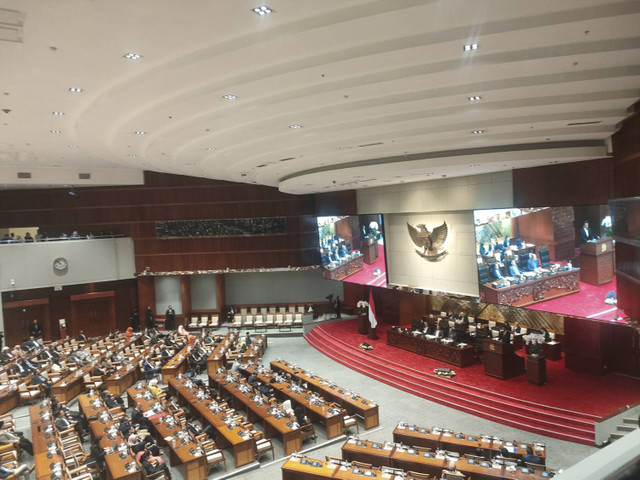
(259, 320)
(204, 321)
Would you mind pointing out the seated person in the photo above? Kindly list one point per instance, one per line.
(21, 471)
(520, 243)
(342, 251)
(8, 437)
(153, 464)
(496, 273)
(63, 423)
(514, 271)
(529, 457)
(196, 429)
(39, 379)
(486, 249)
(533, 265)
(506, 243)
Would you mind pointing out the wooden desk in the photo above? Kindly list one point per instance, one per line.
(237, 438)
(375, 453)
(176, 366)
(316, 410)
(344, 269)
(552, 350)
(43, 436)
(454, 355)
(217, 358)
(187, 453)
(457, 442)
(304, 468)
(350, 401)
(291, 438)
(119, 467)
(536, 290)
(9, 398)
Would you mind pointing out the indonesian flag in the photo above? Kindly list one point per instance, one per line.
(372, 311)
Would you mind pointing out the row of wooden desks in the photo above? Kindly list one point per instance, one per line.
(305, 468)
(462, 356)
(259, 410)
(121, 465)
(176, 366)
(315, 407)
(128, 374)
(429, 462)
(218, 357)
(459, 442)
(72, 385)
(45, 446)
(229, 435)
(349, 400)
(9, 398)
(183, 450)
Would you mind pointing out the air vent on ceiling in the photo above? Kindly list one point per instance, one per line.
(584, 123)
(261, 166)
(370, 144)
(84, 176)
(24, 174)
(11, 25)
(286, 159)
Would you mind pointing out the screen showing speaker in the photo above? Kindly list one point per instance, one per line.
(352, 249)
(553, 259)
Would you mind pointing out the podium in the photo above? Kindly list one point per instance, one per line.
(369, 249)
(500, 360)
(597, 262)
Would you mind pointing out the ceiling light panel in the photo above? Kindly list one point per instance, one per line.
(263, 10)
(470, 47)
(133, 56)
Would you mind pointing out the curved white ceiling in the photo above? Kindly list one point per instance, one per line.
(380, 88)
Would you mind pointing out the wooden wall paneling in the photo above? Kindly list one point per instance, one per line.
(336, 203)
(622, 349)
(390, 306)
(628, 291)
(146, 295)
(221, 292)
(626, 151)
(353, 293)
(578, 183)
(18, 316)
(583, 346)
(185, 295)
(91, 313)
(553, 227)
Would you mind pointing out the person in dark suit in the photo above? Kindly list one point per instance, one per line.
(529, 457)
(35, 330)
(62, 423)
(547, 337)
(505, 336)
(135, 319)
(20, 369)
(6, 355)
(196, 429)
(148, 316)
(82, 337)
(170, 318)
(585, 233)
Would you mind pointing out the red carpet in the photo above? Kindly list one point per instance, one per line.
(588, 303)
(565, 408)
(366, 276)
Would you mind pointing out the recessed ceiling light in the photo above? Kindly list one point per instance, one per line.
(58, 113)
(140, 132)
(56, 131)
(262, 10)
(132, 155)
(133, 56)
(211, 149)
(475, 98)
(345, 147)
(295, 126)
(477, 132)
(469, 47)
(229, 96)
(73, 146)
(75, 89)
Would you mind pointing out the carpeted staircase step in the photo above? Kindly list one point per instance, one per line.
(495, 407)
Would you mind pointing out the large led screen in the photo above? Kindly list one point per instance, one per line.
(352, 249)
(553, 259)
(433, 252)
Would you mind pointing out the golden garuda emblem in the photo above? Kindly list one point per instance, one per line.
(431, 243)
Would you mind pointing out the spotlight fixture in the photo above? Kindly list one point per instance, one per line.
(59, 114)
(133, 56)
(75, 89)
(469, 47)
(73, 146)
(55, 131)
(262, 10)
(211, 149)
(132, 155)
(140, 132)
(295, 126)
(475, 98)
(477, 132)
(229, 96)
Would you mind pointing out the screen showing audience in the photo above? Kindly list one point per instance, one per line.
(553, 259)
(352, 249)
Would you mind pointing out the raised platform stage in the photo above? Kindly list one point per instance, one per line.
(567, 407)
